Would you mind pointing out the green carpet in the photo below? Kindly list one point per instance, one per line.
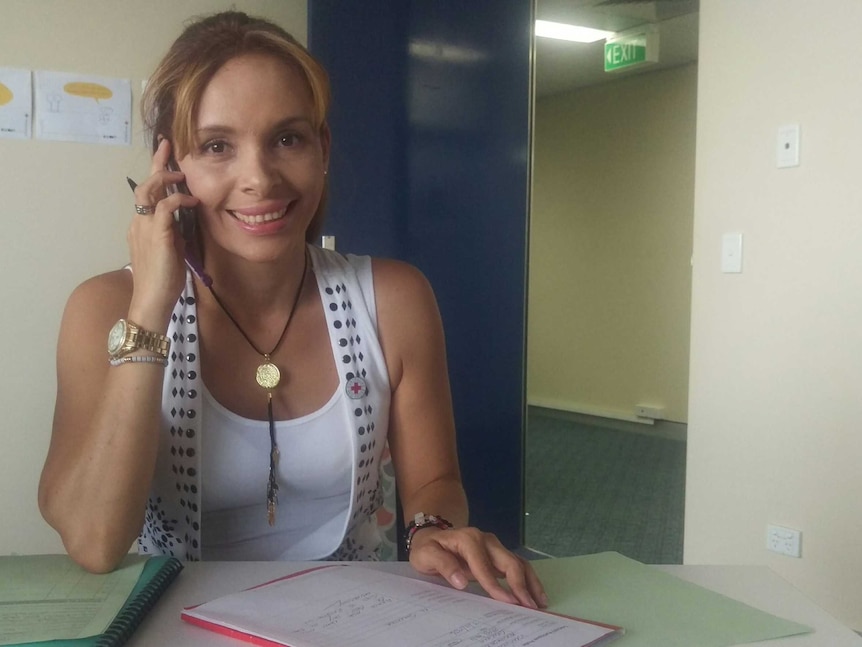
(591, 489)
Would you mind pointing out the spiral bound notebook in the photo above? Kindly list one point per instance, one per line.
(49, 600)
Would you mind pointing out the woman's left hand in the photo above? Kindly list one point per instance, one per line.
(463, 554)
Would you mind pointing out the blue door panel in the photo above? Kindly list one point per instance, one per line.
(430, 164)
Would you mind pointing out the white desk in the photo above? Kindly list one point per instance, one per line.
(754, 585)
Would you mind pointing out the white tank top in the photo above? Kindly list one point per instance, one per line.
(314, 475)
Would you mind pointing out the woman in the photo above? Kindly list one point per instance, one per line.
(245, 407)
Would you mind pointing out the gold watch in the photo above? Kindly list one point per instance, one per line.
(126, 337)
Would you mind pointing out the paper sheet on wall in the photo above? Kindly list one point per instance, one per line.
(16, 103)
(83, 108)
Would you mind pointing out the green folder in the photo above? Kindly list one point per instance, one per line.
(655, 608)
(50, 600)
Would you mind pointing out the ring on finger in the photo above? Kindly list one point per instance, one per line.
(144, 209)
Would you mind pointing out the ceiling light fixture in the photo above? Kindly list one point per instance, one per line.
(576, 33)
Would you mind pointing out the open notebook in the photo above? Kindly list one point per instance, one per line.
(50, 600)
(362, 607)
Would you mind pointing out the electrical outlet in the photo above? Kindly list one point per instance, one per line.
(787, 146)
(784, 541)
(649, 411)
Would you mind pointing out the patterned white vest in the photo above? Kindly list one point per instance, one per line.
(172, 524)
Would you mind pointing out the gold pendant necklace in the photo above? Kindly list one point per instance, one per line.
(268, 376)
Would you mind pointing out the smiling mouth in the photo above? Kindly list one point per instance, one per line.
(260, 218)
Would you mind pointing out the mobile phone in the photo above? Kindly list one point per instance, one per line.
(185, 217)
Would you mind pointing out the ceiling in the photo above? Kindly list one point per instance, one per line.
(562, 66)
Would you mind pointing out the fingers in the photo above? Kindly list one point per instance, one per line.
(160, 213)
(534, 584)
(465, 553)
(155, 188)
(156, 246)
(476, 549)
(522, 580)
(518, 573)
(161, 156)
(451, 561)
(433, 559)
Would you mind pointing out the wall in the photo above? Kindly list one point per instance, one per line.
(775, 411)
(610, 246)
(66, 208)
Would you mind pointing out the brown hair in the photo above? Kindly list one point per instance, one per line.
(171, 99)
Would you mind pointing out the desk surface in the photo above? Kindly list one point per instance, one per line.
(754, 585)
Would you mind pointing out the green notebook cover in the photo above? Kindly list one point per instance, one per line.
(155, 575)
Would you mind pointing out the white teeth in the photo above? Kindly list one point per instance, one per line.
(260, 219)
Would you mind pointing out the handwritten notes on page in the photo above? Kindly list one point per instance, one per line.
(361, 607)
(83, 108)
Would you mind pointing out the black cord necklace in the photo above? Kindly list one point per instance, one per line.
(268, 376)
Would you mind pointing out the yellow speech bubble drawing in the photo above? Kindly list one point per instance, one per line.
(5, 95)
(88, 90)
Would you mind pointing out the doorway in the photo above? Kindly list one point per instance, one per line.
(609, 287)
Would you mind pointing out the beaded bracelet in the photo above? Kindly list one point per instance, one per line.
(420, 521)
(134, 359)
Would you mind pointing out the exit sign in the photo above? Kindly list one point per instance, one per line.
(629, 50)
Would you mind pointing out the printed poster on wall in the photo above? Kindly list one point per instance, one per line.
(16, 103)
(83, 108)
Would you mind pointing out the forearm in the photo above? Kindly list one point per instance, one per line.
(94, 488)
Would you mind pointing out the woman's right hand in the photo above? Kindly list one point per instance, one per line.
(105, 438)
(156, 247)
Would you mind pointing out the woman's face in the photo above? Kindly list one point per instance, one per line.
(258, 163)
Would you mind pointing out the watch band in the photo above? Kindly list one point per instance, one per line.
(153, 342)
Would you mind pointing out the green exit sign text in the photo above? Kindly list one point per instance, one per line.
(627, 51)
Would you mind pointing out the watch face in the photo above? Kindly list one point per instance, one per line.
(116, 337)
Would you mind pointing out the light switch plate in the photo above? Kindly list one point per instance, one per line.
(787, 151)
(731, 253)
(327, 242)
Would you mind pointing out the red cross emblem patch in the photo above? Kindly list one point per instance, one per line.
(356, 388)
